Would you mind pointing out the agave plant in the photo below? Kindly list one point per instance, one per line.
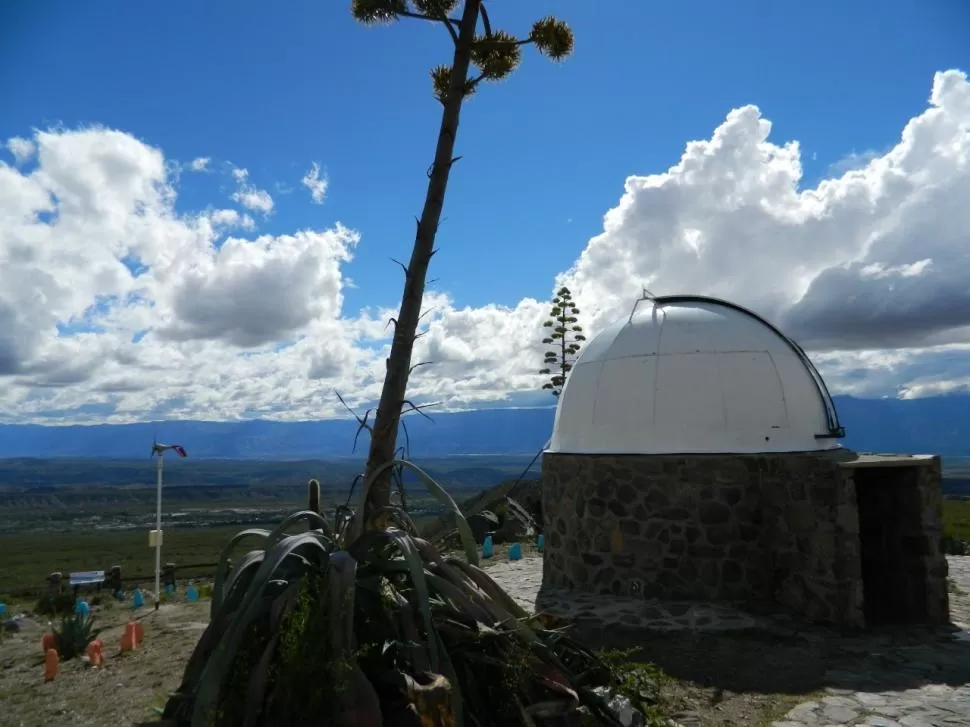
(73, 635)
(338, 626)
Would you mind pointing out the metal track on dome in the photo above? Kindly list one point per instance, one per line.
(835, 428)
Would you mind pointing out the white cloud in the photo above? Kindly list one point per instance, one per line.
(22, 149)
(316, 185)
(200, 164)
(114, 306)
(248, 195)
(231, 218)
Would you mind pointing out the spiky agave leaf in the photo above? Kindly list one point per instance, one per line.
(222, 567)
(343, 584)
(316, 549)
(436, 491)
(312, 517)
(369, 547)
(73, 635)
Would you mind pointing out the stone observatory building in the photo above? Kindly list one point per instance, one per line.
(695, 457)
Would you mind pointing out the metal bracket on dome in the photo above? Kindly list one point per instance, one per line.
(644, 295)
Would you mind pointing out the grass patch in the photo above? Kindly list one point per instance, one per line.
(956, 519)
(26, 560)
(782, 704)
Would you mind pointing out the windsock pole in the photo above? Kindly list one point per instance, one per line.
(158, 528)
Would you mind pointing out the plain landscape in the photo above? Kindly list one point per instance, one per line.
(69, 513)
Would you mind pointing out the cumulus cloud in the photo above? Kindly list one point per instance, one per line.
(22, 149)
(231, 218)
(873, 259)
(316, 185)
(200, 164)
(113, 302)
(248, 195)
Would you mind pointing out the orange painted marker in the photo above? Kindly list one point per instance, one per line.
(51, 661)
(129, 641)
(48, 642)
(94, 654)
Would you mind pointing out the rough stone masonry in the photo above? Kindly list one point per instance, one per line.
(772, 529)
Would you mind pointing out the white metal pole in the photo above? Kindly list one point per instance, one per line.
(158, 531)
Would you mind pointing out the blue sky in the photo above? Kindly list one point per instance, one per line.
(272, 86)
(644, 159)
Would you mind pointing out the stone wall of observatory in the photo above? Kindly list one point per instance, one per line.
(778, 528)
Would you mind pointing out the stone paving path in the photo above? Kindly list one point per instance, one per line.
(932, 704)
(522, 580)
(897, 680)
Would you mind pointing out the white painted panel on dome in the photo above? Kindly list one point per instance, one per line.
(574, 415)
(753, 395)
(693, 327)
(623, 419)
(689, 410)
(601, 343)
(805, 407)
(690, 330)
(639, 337)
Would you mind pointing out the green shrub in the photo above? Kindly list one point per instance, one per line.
(637, 681)
(73, 635)
(955, 546)
(55, 604)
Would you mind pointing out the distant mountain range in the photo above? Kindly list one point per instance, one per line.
(939, 425)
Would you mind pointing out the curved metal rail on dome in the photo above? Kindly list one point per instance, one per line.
(835, 428)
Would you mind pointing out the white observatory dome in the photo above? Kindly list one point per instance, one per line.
(688, 374)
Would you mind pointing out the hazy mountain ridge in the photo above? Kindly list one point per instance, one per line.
(938, 425)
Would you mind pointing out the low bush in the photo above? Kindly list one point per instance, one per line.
(55, 604)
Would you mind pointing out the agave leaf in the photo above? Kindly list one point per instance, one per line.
(485, 582)
(313, 544)
(568, 700)
(237, 582)
(315, 518)
(405, 615)
(419, 581)
(460, 599)
(436, 491)
(222, 567)
(256, 691)
(399, 516)
(371, 543)
(343, 572)
(448, 670)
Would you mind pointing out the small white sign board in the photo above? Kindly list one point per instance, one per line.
(154, 538)
(87, 578)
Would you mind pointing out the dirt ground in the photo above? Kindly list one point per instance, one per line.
(735, 679)
(122, 692)
(752, 678)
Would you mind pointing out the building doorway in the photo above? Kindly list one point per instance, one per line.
(893, 545)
